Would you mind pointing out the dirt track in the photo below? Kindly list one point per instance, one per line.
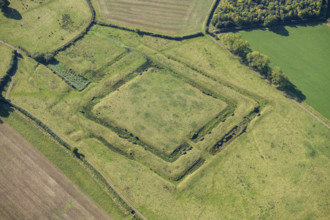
(32, 188)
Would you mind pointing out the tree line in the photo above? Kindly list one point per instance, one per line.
(233, 13)
(260, 63)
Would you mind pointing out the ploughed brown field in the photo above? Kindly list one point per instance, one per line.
(32, 188)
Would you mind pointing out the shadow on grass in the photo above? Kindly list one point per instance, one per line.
(5, 109)
(280, 30)
(293, 92)
(9, 74)
(12, 13)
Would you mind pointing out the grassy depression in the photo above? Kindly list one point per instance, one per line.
(158, 108)
(303, 54)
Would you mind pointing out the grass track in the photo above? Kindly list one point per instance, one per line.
(303, 54)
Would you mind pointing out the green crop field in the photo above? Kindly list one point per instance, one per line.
(303, 54)
(181, 129)
(169, 17)
(43, 25)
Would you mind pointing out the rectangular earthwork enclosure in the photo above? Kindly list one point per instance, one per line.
(159, 109)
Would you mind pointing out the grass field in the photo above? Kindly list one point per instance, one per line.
(169, 17)
(158, 108)
(43, 25)
(6, 54)
(32, 187)
(303, 54)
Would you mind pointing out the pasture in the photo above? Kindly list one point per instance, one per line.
(43, 25)
(32, 187)
(303, 53)
(169, 17)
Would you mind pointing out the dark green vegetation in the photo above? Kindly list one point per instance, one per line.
(69, 76)
(4, 4)
(302, 53)
(232, 13)
(254, 154)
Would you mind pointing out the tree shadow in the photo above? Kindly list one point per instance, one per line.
(5, 80)
(11, 13)
(280, 30)
(5, 109)
(293, 92)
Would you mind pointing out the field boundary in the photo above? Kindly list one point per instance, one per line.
(141, 32)
(210, 15)
(82, 33)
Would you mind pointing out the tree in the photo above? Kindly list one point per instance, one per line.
(43, 57)
(258, 61)
(271, 20)
(4, 4)
(236, 44)
(279, 79)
